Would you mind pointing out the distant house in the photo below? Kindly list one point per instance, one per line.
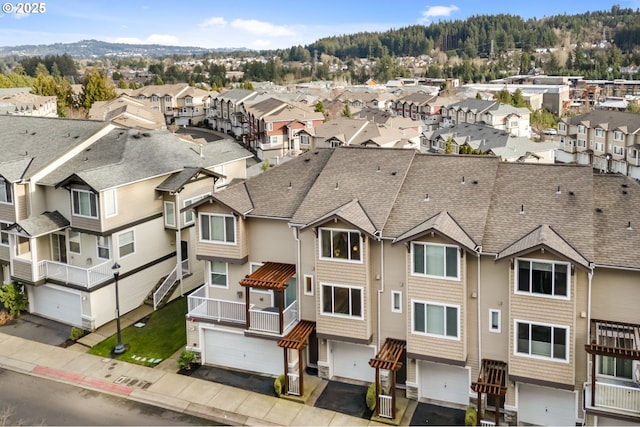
(20, 102)
(491, 113)
(180, 103)
(128, 112)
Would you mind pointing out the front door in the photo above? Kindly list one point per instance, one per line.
(184, 250)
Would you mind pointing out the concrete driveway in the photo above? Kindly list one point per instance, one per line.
(39, 329)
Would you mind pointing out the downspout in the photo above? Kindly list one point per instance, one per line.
(479, 251)
(178, 244)
(381, 290)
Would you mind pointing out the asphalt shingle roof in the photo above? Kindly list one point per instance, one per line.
(46, 223)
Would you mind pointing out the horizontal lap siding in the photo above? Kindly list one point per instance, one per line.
(7, 213)
(237, 251)
(534, 309)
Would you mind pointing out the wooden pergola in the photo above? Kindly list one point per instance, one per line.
(270, 275)
(491, 380)
(296, 339)
(388, 358)
(613, 339)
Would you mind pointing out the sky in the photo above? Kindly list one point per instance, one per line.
(254, 24)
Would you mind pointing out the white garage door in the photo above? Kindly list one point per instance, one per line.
(445, 383)
(352, 361)
(546, 406)
(234, 350)
(57, 303)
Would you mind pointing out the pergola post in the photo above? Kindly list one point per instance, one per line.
(378, 390)
(593, 380)
(479, 405)
(281, 311)
(393, 394)
(247, 304)
(301, 370)
(497, 400)
(286, 370)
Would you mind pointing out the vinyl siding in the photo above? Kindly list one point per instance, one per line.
(22, 201)
(8, 212)
(237, 251)
(135, 201)
(393, 325)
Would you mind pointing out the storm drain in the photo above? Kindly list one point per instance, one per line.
(132, 382)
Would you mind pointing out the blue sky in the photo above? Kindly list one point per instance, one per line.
(256, 24)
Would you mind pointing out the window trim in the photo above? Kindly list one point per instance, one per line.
(5, 224)
(78, 241)
(535, 294)
(341, 230)
(8, 188)
(536, 356)
(429, 334)
(91, 194)
(98, 246)
(394, 295)
(340, 315)
(444, 246)
(498, 329)
(167, 216)
(218, 242)
(133, 241)
(111, 195)
(210, 272)
(308, 279)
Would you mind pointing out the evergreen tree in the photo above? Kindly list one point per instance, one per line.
(346, 111)
(96, 87)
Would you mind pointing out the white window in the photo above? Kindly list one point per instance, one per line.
(188, 214)
(543, 278)
(103, 244)
(435, 319)
(74, 242)
(304, 139)
(542, 341)
(562, 127)
(218, 274)
(582, 129)
(341, 300)
(169, 214)
(617, 367)
(582, 143)
(168, 108)
(435, 260)
(84, 203)
(188, 101)
(270, 126)
(494, 320)
(618, 136)
(110, 203)
(396, 301)
(599, 132)
(126, 243)
(344, 245)
(308, 285)
(167, 98)
(154, 98)
(196, 109)
(274, 139)
(4, 236)
(5, 192)
(618, 150)
(599, 146)
(218, 228)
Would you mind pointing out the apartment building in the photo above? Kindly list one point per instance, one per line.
(464, 279)
(225, 114)
(491, 113)
(180, 103)
(79, 196)
(604, 139)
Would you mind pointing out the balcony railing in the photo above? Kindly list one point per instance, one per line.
(614, 397)
(266, 320)
(169, 281)
(84, 277)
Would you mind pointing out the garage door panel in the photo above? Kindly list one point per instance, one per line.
(352, 361)
(444, 383)
(546, 406)
(57, 304)
(237, 351)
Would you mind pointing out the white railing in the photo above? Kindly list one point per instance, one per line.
(168, 283)
(215, 309)
(293, 384)
(85, 277)
(269, 321)
(386, 406)
(618, 397)
(487, 423)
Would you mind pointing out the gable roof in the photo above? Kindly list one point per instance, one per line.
(45, 223)
(176, 181)
(443, 224)
(351, 213)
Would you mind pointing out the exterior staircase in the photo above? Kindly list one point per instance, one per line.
(165, 287)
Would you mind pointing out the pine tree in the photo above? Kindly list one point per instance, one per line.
(96, 87)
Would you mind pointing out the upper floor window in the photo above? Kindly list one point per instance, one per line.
(218, 228)
(545, 341)
(341, 300)
(167, 98)
(74, 241)
(154, 98)
(170, 214)
(4, 236)
(582, 129)
(270, 126)
(110, 198)
(618, 150)
(582, 143)
(188, 214)
(435, 260)
(618, 136)
(617, 367)
(599, 132)
(599, 146)
(84, 203)
(103, 245)
(218, 274)
(5, 191)
(188, 101)
(435, 319)
(396, 301)
(543, 278)
(126, 243)
(340, 244)
(562, 127)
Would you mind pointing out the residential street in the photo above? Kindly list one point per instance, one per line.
(35, 401)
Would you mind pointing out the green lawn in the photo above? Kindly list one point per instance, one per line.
(163, 335)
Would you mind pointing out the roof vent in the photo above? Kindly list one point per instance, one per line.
(475, 182)
(629, 226)
(599, 210)
(571, 193)
(337, 186)
(462, 182)
(378, 170)
(521, 209)
(625, 185)
(394, 173)
(426, 197)
(558, 190)
(290, 186)
(624, 192)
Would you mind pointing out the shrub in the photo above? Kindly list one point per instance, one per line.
(371, 398)
(13, 298)
(278, 385)
(471, 416)
(186, 360)
(76, 333)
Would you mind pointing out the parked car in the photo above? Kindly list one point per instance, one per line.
(550, 131)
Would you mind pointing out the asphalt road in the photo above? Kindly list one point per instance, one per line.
(36, 401)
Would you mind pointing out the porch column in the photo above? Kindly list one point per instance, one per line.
(301, 370)
(497, 399)
(378, 390)
(393, 394)
(33, 248)
(479, 411)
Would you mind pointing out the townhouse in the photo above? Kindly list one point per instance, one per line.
(491, 113)
(606, 140)
(463, 279)
(225, 114)
(127, 112)
(19, 102)
(180, 103)
(419, 106)
(79, 196)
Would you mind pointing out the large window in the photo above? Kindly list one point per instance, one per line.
(218, 228)
(618, 135)
(435, 260)
(84, 203)
(169, 214)
(4, 236)
(545, 341)
(340, 244)
(103, 244)
(543, 278)
(110, 198)
(5, 191)
(435, 319)
(126, 243)
(218, 274)
(341, 300)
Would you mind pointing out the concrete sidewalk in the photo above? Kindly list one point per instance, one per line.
(161, 386)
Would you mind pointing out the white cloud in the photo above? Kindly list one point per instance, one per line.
(162, 39)
(216, 21)
(436, 12)
(261, 28)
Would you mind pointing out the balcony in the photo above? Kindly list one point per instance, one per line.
(65, 273)
(262, 320)
(614, 398)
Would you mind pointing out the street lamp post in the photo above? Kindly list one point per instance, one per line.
(119, 348)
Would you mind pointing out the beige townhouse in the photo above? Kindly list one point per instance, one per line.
(79, 196)
(462, 279)
(491, 113)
